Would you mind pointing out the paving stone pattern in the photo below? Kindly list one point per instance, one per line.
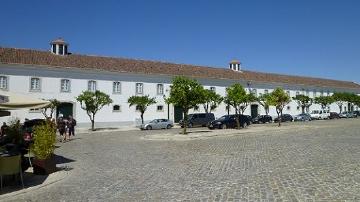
(319, 163)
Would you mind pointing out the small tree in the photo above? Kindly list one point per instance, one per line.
(236, 97)
(264, 101)
(211, 100)
(249, 98)
(187, 94)
(92, 102)
(339, 99)
(303, 101)
(324, 101)
(141, 103)
(54, 103)
(279, 98)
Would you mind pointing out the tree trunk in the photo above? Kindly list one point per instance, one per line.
(185, 122)
(266, 110)
(93, 122)
(340, 107)
(279, 113)
(302, 109)
(142, 117)
(237, 119)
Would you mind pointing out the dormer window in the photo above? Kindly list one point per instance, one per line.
(59, 47)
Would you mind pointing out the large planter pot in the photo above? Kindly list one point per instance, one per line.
(44, 166)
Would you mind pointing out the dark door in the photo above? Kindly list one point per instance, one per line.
(254, 110)
(66, 109)
(178, 115)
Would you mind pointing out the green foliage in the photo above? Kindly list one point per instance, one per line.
(324, 101)
(303, 101)
(14, 132)
(211, 100)
(92, 102)
(142, 102)
(54, 103)
(279, 98)
(238, 99)
(264, 100)
(44, 140)
(185, 93)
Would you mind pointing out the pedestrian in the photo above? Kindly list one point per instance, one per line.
(4, 128)
(71, 126)
(61, 127)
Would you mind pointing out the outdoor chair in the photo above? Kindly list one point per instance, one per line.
(10, 165)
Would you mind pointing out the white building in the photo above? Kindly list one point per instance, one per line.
(61, 75)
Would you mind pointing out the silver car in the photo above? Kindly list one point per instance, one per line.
(157, 124)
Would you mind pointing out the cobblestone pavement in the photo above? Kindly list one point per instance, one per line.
(319, 163)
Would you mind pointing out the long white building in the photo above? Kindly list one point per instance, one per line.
(58, 74)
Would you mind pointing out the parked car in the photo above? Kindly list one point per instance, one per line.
(334, 115)
(284, 118)
(352, 115)
(302, 117)
(357, 113)
(262, 119)
(345, 115)
(157, 124)
(250, 118)
(198, 119)
(229, 121)
(320, 114)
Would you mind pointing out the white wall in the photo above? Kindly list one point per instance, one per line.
(19, 82)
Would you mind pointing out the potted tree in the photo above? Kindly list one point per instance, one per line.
(43, 148)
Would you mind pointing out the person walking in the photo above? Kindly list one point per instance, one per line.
(71, 126)
(61, 127)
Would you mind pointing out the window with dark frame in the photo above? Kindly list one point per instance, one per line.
(116, 108)
(160, 108)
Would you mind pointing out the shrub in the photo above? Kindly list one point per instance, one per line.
(44, 140)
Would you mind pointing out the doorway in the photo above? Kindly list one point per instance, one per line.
(178, 115)
(65, 108)
(254, 110)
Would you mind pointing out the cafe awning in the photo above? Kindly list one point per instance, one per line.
(10, 101)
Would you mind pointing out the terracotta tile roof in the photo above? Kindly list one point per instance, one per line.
(46, 58)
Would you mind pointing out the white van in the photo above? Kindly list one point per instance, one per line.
(320, 114)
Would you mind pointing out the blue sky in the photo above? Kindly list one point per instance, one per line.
(314, 38)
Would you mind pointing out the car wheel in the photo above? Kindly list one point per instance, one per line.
(168, 126)
(148, 128)
(223, 126)
(245, 125)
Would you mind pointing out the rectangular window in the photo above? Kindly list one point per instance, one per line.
(92, 86)
(314, 93)
(297, 93)
(3, 82)
(266, 92)
(288, 93)
(116, 87)
(160, 108)
(34, 110)
(160, 89)
(137, 108)
(139, 88)
(116, 108)
(307, 93)
(322, 93)
(213, 89)
(65, 85)
(254, 92)
(35, 84)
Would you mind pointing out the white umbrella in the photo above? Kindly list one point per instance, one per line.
(15, 101)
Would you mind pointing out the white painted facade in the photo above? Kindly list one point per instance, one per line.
(19, 81)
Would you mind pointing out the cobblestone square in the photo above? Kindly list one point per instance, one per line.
(317, 162)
